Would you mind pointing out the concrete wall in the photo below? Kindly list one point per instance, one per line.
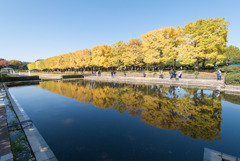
(166, 76)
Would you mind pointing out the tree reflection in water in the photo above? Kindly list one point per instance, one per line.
(193, 112)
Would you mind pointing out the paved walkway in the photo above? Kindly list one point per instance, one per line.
(5, 148)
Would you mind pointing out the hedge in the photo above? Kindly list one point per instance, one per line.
(10, 78)
(3, 75)
(72, 76)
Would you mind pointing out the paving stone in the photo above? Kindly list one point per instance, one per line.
(7, 157)
(228, 157)
(44, 155)
(52, 159)
(5, 147)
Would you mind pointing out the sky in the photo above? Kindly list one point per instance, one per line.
(39, 29)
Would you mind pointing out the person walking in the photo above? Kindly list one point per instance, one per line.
(144, 75)
(99, 73)
(112, 73)
(174, 74)
(219, 74)
(179, 74)
(161, 74)
(125, 74)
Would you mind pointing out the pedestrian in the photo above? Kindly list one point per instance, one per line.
(125, 74)
(161, 74)
(112, 73)
(174, 74)
(219, 74)
(144, 75)
(179, 74)
(99, 73)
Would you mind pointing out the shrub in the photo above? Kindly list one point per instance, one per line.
(196, 74)
(3, 75)
(233, 78)
(73, 76)
(233, 69)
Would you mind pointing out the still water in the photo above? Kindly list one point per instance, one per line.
(97, 121)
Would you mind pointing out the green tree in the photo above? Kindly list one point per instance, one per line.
(15, 63)
(232, 54)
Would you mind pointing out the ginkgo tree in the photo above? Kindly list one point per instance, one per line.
(133, 55)
(102, 55)
(204, 40)
(118, 49)
(160, 46)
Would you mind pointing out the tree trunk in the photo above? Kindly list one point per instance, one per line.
(174, 64)
(196, 65)
(160, 66)
(203, 64)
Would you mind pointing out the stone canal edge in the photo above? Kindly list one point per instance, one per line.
(40, 148)
(192, 83)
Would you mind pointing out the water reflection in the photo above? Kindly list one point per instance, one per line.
(194, 112)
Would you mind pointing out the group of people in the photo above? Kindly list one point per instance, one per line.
(113, 73)
(94, 73)
(173, 74)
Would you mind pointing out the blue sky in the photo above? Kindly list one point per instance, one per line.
(39, 29)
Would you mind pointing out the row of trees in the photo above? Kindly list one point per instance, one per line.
(203, 41)
(15, 64)
(196, 114)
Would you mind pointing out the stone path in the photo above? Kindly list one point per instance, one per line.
(5, 148)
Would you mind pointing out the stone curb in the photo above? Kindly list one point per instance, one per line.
(199, 83)
(40, 148)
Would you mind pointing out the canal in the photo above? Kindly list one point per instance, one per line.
(103, 121)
